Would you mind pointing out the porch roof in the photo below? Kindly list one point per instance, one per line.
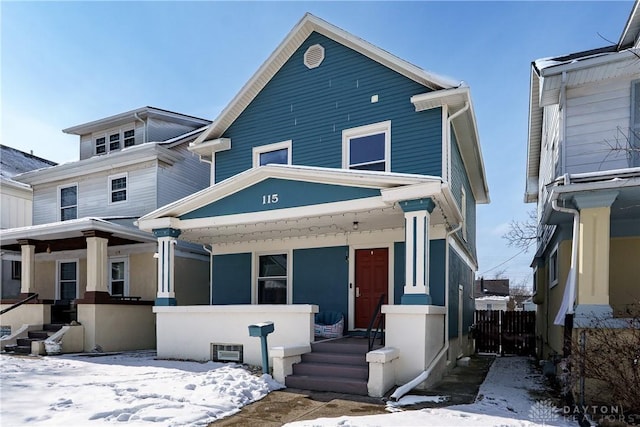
(311, 201)
(65, 235)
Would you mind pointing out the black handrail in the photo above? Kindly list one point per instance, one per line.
(19, 303)
(379, 324)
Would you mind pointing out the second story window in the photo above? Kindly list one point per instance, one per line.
(129, 138)
(68, 202)
(367, 147)
(114, 141)
(278, 153)
(117, 188)
(101, 145)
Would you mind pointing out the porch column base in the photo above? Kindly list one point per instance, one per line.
(166, 301)
(95, 297)
(416, 299)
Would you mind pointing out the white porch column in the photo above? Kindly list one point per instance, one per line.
(28, 260)
(97, 267)
(417, 214)
(167, 239)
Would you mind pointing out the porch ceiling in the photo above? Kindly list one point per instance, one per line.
(387, 218)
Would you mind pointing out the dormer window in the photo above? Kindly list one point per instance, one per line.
(129, 138)
(117, 138)
(101, 145)
(114, 141)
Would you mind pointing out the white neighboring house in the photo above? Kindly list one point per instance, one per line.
(82, 256)
(492, 302)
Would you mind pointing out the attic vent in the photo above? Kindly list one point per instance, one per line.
(314, 56)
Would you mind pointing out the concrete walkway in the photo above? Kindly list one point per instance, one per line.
(281, 407)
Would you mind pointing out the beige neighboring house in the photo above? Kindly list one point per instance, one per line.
(82, 259)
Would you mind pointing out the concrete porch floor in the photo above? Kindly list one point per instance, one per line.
(281, 407)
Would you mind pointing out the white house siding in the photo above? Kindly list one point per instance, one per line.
(161, 130)
(598, 115)
(16, 206)
(549, 151)
(93, 193)
(183, 178)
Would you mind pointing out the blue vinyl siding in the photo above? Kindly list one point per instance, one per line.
(459, 179)
(312, 107)
(231, 279)
(436, 271)
(459, 274)
(321, 276)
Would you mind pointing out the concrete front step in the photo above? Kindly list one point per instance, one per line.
(335, 358)
(331, 370)
(324, 383)
(18, 349)
(338, 347)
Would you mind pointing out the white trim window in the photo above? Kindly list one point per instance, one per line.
(272, 281)
(277, 153)
(67, 276)
(367, 147)
(68, 202)
(119, 276)
(113, 140)
(553, 267)
(117, 188)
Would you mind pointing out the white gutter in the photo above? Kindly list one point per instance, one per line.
(448, 136)
(404, 389)
(144, 127)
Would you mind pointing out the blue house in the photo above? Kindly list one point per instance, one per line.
(342, 178)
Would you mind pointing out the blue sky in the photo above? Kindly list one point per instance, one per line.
(67, 63)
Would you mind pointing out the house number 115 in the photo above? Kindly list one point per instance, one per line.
(269, 199)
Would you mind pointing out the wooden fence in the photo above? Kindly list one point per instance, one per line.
(505, 332)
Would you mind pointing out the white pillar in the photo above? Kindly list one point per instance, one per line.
(28, 260)
(167, 239)
(417, 214)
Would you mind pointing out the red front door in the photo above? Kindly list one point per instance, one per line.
(372, 280)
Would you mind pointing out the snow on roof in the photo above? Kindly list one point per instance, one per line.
(14, 162)
(493, 298)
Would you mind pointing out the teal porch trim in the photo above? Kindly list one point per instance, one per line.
(416, 299)
(166, 302)
(418, 205)
(276, 193)
(166, 232)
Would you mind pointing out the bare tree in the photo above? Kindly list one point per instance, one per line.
(522, 234)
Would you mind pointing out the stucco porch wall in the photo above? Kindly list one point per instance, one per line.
(117, 327)
(31, 314)
(417, 331)
(187, 332)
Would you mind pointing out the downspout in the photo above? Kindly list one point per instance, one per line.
(402, 390)
(574, 245)
(448, 136)
(210, 252)
(212, 177)
(144, 127)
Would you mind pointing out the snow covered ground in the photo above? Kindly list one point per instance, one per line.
(503, 400)
(131, 388)
(136, 389)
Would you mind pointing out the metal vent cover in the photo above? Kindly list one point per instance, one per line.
(314, 56)
(222, 352)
